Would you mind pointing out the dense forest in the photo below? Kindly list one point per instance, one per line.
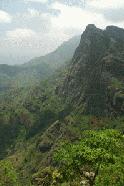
(65, 125)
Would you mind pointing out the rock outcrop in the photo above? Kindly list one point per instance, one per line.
(94, 83)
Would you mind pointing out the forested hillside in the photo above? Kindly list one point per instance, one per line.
(68, 129)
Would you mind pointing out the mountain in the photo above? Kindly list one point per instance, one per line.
(68, 129)
(95, 79)
(39, 68)
(62, 54)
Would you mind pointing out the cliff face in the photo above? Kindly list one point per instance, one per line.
(95, 80)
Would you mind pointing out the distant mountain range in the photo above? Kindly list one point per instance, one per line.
(38, 68)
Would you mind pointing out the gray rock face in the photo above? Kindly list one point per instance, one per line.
(96, 72)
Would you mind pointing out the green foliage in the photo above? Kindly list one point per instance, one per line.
(46, 177)
(9, 130)
(93, 157)
(112, 175)
(43, 177)
(8, 176)
(116, 84)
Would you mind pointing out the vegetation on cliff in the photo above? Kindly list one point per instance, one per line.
(67, 129)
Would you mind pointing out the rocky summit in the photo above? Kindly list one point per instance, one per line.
(94, 83)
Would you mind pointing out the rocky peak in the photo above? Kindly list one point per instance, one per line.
(115, 32)
(89, 83)
(90, 29)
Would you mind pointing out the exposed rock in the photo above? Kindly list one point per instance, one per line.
(98, 59)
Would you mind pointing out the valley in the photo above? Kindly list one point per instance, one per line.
(62, 115)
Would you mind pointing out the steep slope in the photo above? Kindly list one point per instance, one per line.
(63, 53)
(30, 110)
(39, 68)
(7, 73)
(95, 80)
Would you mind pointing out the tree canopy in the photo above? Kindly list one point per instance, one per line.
(98, 158)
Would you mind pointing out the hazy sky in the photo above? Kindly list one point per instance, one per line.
(31, 28)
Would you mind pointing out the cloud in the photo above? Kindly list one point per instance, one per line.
(76, 17)
(112, 10)
(105, 4)
(21, 37)
(34, 19)
(39, 27)
(20, 33)
(72, 2)
(29, 40)
(5, 17)
(31, 12)
(38, 1)
(114, 15)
